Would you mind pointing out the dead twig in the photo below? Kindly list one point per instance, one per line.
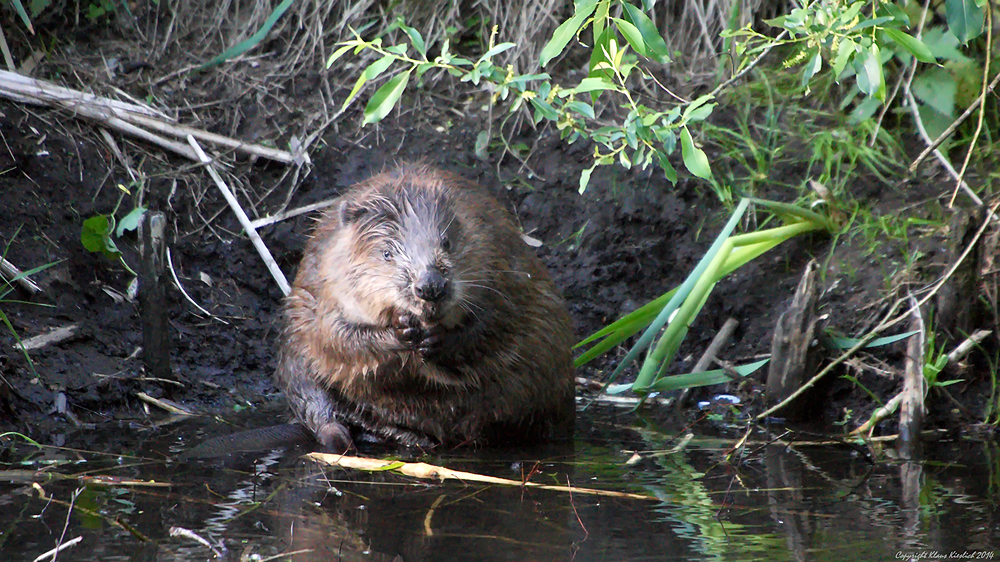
(177, 281)
(62, 546)
(55, 336)
(167, 405)
(265, 254)
(960, 351)
(888, 321)
(293, 213)
(10, 271)
(951, 128)
(721, 338)
(130, 118)
(440, 473)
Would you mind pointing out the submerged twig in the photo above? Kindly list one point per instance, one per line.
(167, 405)
(186, 533)
(62, 546)
(429, 471)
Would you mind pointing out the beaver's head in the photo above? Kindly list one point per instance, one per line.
(406, 244)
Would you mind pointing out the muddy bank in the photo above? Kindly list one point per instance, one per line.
(630, 237)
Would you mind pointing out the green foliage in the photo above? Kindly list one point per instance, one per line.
(99, 8)
(847, 37)
(965, 19)
(36, 7)
(96, 233)
(935, 360)
(644, 136)
(677, 309)
(252, 41)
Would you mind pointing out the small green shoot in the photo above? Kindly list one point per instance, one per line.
(95, 235)
(6, 288)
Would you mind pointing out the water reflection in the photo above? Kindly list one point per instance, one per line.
(780, 502)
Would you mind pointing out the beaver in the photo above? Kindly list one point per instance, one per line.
(420, 316)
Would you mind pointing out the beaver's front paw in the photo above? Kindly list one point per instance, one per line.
(414, 336)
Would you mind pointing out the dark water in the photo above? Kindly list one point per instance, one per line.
(777, 503)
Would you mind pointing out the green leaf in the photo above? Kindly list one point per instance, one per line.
(631, 35)
(911, 44)
(655, 45)
(870, 23)
(668, 169)
(385, 98)
(897, 13)
(811, 68)
(416, 39)
(695, 159)
(847, 343)
(943, 44)
(338, 53)
(699, 112)
(706, 378)
(398, 49)
(693, 107)
(965, 19)
(869, 73)
(849, 14)
(588, 85)
(844, 51)
(936, 87)
(582, 108)
(544, 109)
(585, 177)
(253, 40)
(96, 237)
(482, 143)
(496, 51)
(372, 72)
(19, 8)
(566, 31)
(130, 221)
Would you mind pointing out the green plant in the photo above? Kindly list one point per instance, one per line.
(643, 136)
(935, 360)
(846, 37)
(97, 230)
(6, 288)
(676, 309)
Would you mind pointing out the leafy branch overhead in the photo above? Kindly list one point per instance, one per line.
(644, 135)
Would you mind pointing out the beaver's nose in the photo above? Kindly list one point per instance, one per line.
(431, 287)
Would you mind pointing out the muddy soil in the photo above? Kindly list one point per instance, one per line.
(630, 237)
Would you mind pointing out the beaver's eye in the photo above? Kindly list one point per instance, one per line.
(445, 242)
(387, 254)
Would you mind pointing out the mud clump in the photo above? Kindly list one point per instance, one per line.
(420, 316)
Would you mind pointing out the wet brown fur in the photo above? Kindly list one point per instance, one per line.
(504, 370)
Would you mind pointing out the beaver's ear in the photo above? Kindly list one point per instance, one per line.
(350, 212)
